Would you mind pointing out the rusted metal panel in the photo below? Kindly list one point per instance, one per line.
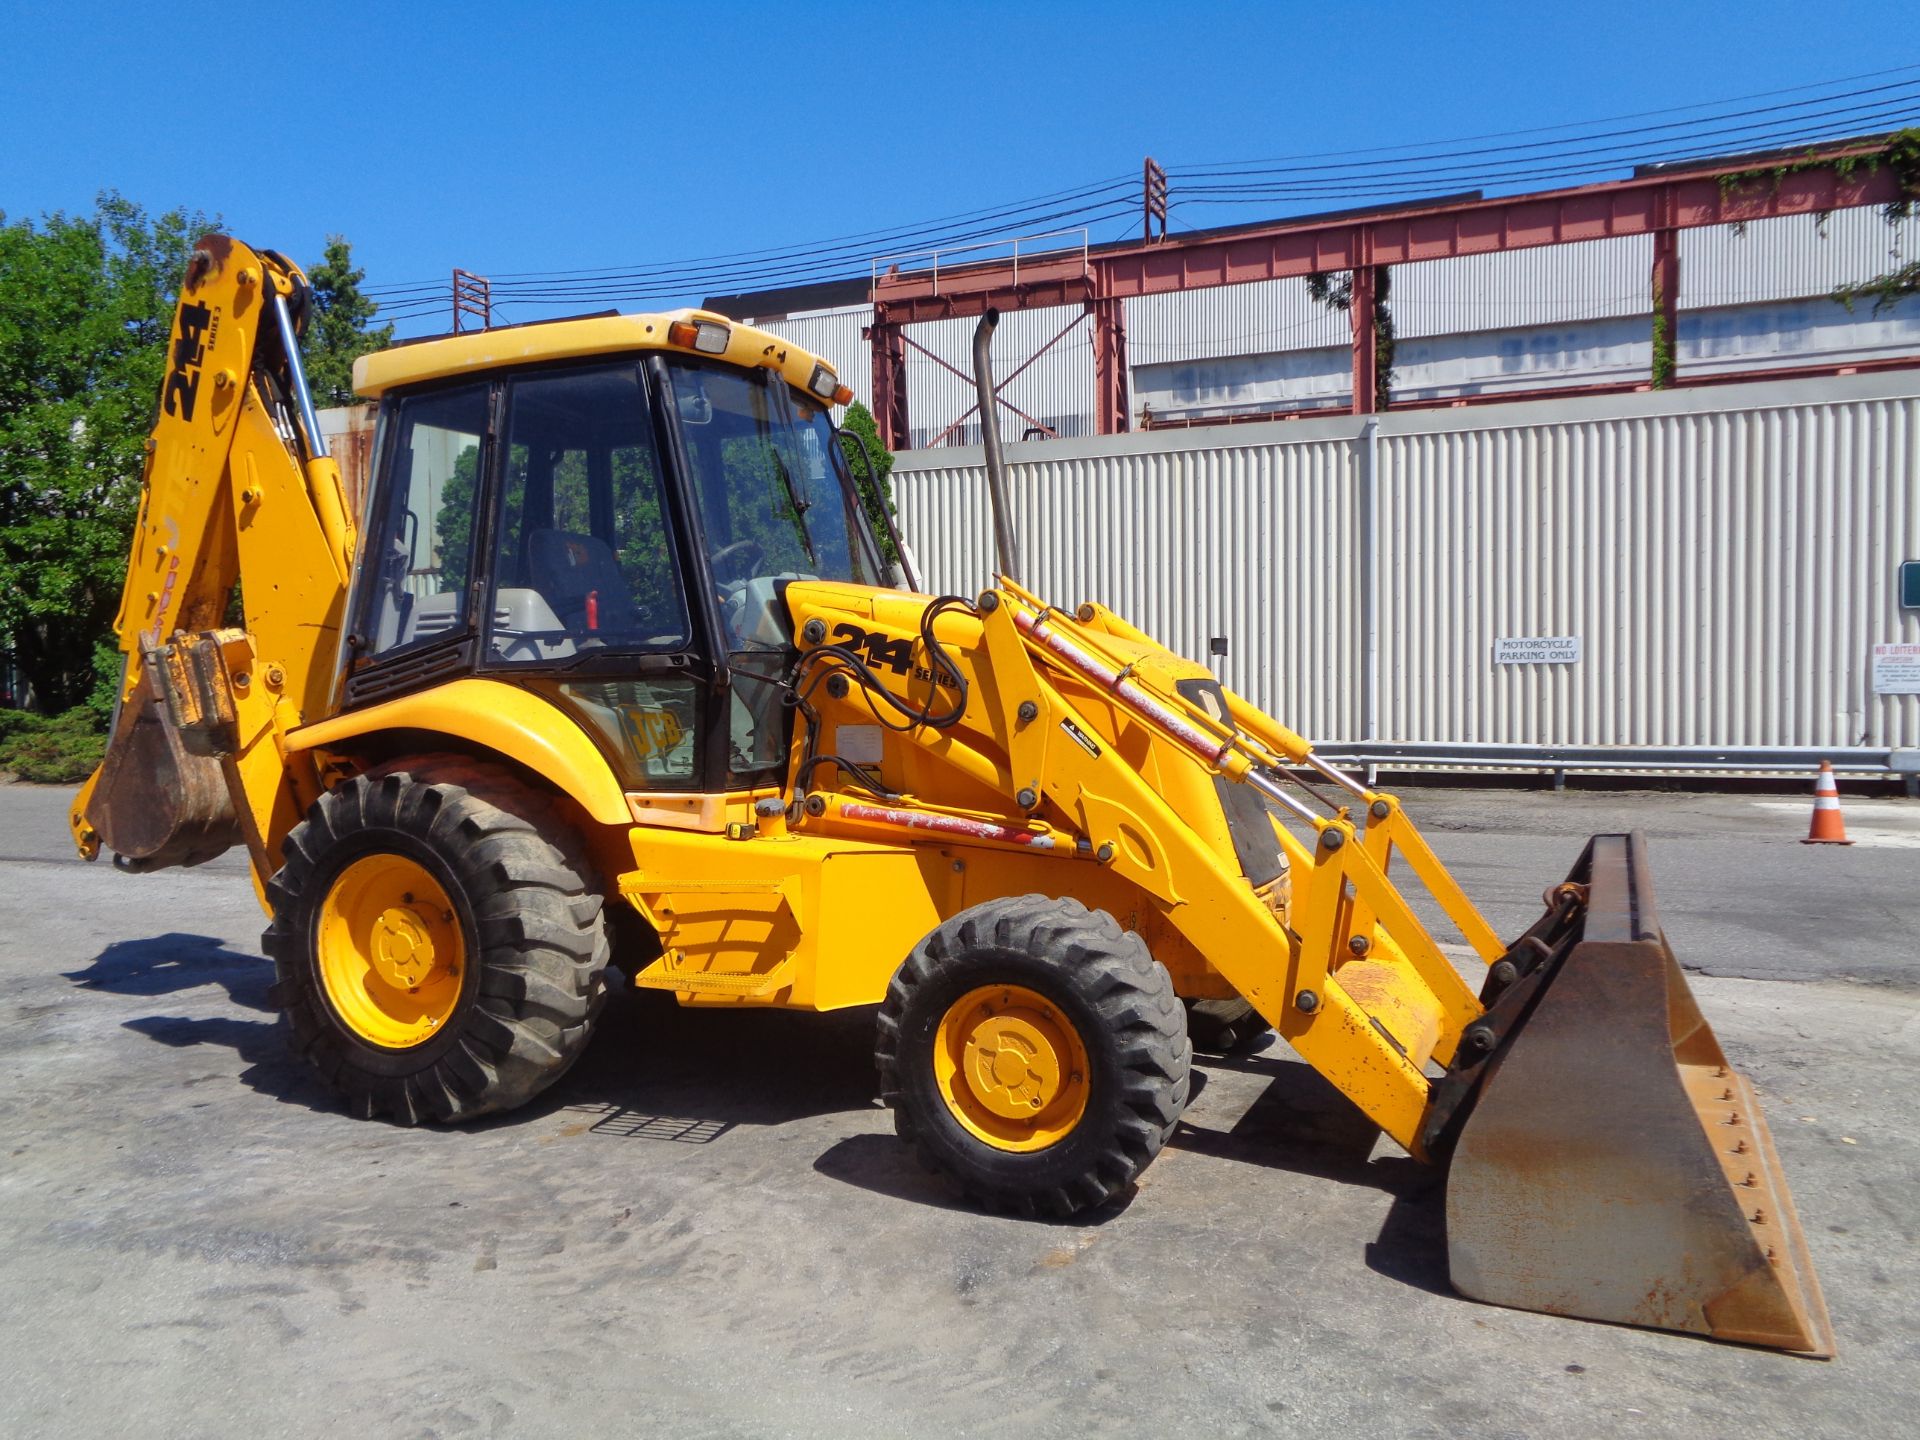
(349, 431)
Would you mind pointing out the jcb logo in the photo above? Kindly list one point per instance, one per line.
(651, 732)
(189, 350)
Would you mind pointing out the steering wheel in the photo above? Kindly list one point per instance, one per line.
(742, 553)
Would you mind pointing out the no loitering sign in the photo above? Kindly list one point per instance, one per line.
(1536, 650)
(1896, 669)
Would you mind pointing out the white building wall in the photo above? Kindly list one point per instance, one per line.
(1727, 558)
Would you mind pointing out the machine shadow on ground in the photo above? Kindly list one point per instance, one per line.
(1302, 1125)
(660, 1072)
(654, 1070)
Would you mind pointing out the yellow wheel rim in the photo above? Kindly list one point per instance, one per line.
(1011, 1067)
(390, 951)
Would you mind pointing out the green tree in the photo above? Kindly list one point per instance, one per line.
(1336, 293)
(86, 304)
(859, 431)
(337, 332)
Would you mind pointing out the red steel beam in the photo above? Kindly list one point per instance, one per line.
(1637, 206)
(1666, 307)
(1366, 340)
(1110, 415)
(889, 384)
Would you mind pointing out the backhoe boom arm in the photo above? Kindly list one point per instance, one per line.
(238, 492)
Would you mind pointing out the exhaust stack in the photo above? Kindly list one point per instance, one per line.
(1006, 547)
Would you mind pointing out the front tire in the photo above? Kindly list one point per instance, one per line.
(1034, 1053)
(436, 958)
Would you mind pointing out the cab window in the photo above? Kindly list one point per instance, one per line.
(583, 560)
(424, 548)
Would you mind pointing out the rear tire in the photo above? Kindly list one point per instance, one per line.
(1225, 1027)
(1043, 1003)
(437, 958)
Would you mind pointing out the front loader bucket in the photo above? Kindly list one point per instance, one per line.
(1612, 1165)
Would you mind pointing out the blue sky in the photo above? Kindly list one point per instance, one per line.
(514, 137)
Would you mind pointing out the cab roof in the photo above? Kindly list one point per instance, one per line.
(483, 350)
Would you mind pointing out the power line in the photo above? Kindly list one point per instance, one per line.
(1382, 172)
(1583, 124)
(1414, 182)
(1846, 117)
(861, 243)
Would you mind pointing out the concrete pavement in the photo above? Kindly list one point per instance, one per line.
(707, 1229)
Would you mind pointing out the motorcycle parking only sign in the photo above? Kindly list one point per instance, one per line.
(1536, 650)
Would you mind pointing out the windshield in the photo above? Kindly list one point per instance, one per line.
(766, 474)
(775, 505)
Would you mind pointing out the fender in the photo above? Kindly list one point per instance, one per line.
(515, 722)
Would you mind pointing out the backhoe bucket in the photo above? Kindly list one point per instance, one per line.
(155, 802)
(1612, 1165)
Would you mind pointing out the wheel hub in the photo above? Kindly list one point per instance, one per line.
(1011, 1067)
(1014, 1069)
(402, 947)
(388, 949)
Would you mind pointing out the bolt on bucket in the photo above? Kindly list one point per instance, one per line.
(1610, 1164)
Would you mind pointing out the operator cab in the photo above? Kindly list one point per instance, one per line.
(617, 534)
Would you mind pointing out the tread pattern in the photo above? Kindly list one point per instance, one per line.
(541, 953)
(1133, 1025)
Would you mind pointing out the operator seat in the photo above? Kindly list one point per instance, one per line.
(567, 568)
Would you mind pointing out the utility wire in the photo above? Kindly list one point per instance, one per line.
(1382, 172)
(1386, 187)
(1583, 124)
(1093, 195)
(1846, 117)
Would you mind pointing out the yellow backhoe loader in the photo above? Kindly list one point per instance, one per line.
(617, 682)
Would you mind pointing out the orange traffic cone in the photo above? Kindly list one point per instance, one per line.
(1828, 828)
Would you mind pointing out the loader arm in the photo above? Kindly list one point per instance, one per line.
(1606, 1160)
(1574, 1078)
(238, 491)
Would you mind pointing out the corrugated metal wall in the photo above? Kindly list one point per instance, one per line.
(1188, 542)
(1726, 557)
